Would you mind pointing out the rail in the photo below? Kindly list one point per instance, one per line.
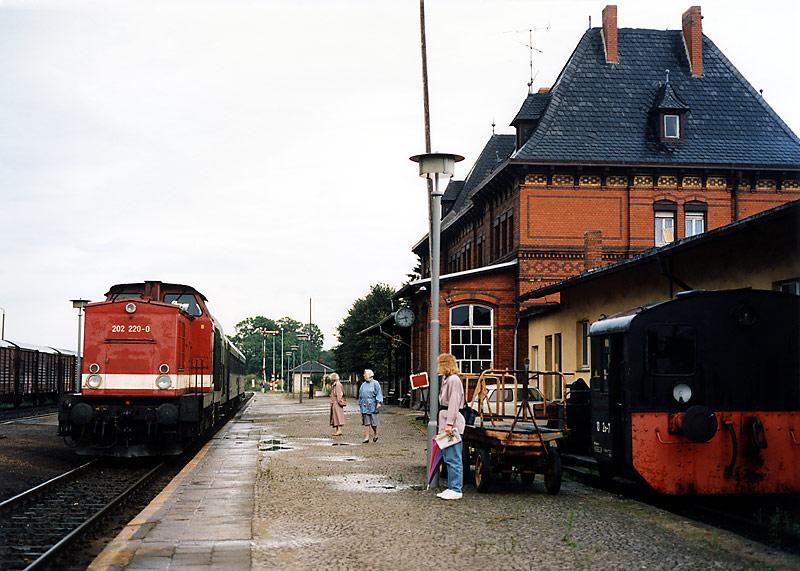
(39, 524)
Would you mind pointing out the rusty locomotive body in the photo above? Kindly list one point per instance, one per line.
(699, 394)
(158, 373)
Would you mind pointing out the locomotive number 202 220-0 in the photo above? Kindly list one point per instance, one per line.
(130, 328)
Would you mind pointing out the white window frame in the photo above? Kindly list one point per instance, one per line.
(677, 124)
(582, 339)
(471, 327)
(691, 219)
(660, 235)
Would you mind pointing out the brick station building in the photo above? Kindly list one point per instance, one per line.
(646, 137)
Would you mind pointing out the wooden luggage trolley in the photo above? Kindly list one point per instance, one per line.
(513, 428)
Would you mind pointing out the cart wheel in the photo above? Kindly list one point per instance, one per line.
(482, 467)
(465, 461)
(552, 472)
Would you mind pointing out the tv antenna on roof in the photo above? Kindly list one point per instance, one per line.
(533, 48)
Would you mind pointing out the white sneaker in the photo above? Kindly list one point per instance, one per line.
(449, 494)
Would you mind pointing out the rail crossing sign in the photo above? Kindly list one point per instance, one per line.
(419, 381)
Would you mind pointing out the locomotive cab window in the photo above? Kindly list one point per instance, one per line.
(185, 301)
(125, 295)
(671, 350)
(601, 363)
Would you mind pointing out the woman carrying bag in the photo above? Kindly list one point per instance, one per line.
(451, 399)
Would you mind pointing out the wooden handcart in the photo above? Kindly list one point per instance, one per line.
(521, 436)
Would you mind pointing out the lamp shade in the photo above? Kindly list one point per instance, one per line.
(433, 164)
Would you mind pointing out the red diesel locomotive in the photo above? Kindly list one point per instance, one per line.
(158, 373)
(700, 394)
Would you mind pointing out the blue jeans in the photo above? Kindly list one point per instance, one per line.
(455, 468)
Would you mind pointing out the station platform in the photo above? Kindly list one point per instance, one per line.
(202, 518)
(273, 490)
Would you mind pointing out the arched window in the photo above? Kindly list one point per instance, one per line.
(471, 337)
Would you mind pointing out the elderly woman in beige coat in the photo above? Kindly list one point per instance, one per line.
(337, 404)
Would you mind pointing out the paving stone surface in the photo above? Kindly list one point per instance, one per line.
(273, 492)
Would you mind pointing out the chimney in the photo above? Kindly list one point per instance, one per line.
(610, 33)
(692, 23)
(592, 249)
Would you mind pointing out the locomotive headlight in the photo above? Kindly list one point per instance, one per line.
(130, 307)
(94, 368)
(163, 382)
(682, 392)
(163, 368)
(94, 381)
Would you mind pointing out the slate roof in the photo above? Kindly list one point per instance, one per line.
(452, 192)
(668, 100)
(532, 108)
(494, 154)
(600, 113)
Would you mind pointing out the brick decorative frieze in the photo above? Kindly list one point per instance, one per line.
(617, 181)
(536, 179)
(765, 184)
(668, 181)
(643, 180)
(563, 180)
(692, 182)
(551, 255)
(716, 183)
(558, 269)
(589, 180)
(792, 184)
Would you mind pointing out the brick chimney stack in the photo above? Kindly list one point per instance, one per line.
(610, 33)
(692, 22)
(592, 249)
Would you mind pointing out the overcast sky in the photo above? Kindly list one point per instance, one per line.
(259, 150)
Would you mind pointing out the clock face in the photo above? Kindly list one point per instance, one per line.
(404, 317)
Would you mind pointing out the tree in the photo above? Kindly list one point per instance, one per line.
(250, 341)
(358, 352)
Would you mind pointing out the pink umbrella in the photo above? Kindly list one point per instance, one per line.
(436, 459)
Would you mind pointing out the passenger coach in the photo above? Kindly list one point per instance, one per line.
(158, 372)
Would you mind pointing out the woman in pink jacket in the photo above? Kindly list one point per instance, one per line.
(451, 399)
(337, 405)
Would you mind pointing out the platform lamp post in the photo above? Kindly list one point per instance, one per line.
(435, 167)
(294, 349)
(272, 333)
(288, 354)
(79, 304)
(301, 337)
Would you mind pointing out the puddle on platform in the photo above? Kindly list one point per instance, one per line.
(273, 445)
(314, 441)
(340, 458)
(373, 483)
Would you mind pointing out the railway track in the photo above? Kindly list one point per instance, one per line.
(14, 415)
(774, 520)
(37, 526)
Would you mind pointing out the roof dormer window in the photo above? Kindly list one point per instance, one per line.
(669, 114)
(672, 126)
